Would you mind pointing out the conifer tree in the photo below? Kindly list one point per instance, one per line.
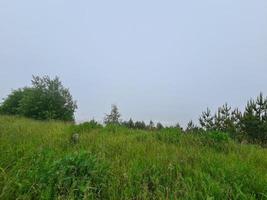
(151, 125)
(159, 126)
(206, 120)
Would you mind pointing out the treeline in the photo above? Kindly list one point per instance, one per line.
(250, 125)
(114, 118)
(48, 99)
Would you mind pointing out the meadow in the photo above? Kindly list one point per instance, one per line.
(38, 160)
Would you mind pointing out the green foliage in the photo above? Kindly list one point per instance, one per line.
(11, 104)
(81, 176)
(129, 124)
(85, 127)
(250, 125)
(217, 140)
(114, 128)
(151, 125)
(38, 162)
(192, 128)
(149, 180)
(46, 99)
(159, 126)
(168, 135)
(254, 120)
(218, 137)
(140, 125)
(207, 120)
(113, 117)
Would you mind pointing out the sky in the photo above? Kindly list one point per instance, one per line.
(156, 60)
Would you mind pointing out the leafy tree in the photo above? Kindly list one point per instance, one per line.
(46, 99)
(113, 117)
(11, 104)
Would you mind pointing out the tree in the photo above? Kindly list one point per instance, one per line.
(128, 124)
(113, 117)
(46, 99)
(192, 128)
(11, 104)
(159, 126)
(178, 126)
(254, 120)
(224, 119)
(151, 125)
(140, 125)
(206, 120)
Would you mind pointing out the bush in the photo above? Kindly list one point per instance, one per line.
(78, 176)
(114, 128)
(85, 127)
(46, 99)
(217, 140)
(168, 135)
(217, 136)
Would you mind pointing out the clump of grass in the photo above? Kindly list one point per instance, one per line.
(217, 140)
(114, 128)
(80, 176)
(85, 127)
(149, 179)
(217, 137)
(168, 135)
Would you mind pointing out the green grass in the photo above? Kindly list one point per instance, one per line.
(38, 161)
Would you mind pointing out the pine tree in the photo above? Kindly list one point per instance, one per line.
(254, 120)
(178, 126)
(223, 119)
(159, 126)
(151, 125)
(206, 120)
(130, 123)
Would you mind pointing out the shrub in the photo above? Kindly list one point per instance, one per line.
(168, 135)
(217, 136)
(217, 140)
(79, 176)
(114, 128)
(85, 127)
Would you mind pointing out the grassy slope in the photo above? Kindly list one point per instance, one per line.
(38, 161)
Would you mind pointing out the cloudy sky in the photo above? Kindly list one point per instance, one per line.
(157, 60)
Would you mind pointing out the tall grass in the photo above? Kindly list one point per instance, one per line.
(38, 161)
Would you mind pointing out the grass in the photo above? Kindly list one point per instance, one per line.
(38, 161)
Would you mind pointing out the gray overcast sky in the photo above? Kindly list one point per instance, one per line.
(160, 60)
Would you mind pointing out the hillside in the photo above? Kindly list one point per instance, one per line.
(38, 161)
